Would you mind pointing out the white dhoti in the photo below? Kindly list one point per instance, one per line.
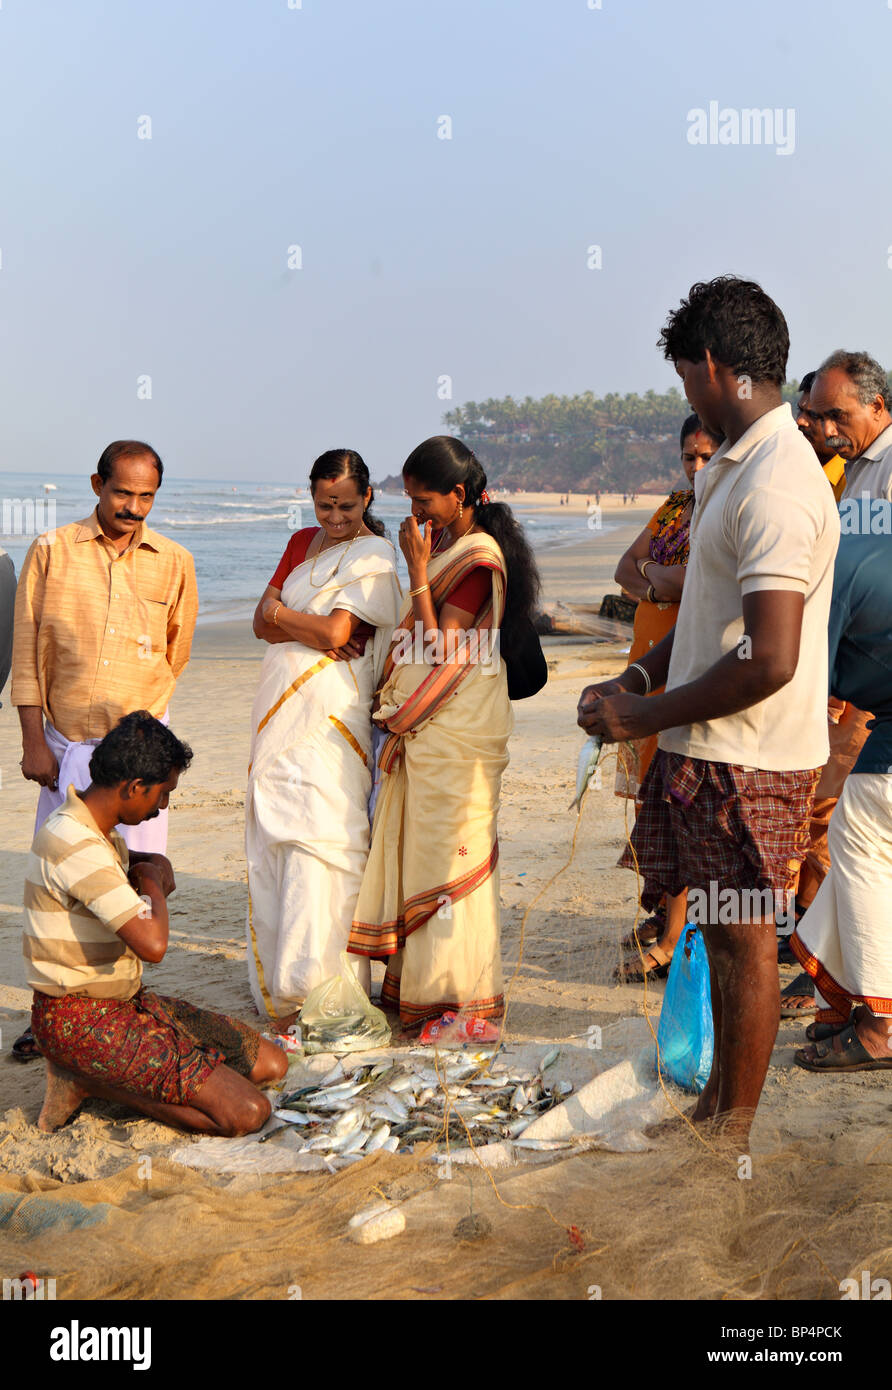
(149, 837)
(844, 940)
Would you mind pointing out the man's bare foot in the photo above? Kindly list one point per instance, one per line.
(729, 1132)
(64, 1093)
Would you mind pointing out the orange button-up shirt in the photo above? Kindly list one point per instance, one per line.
(98, 634)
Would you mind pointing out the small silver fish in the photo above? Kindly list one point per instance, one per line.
(346, 1143)
(589, 754)
(549, 1059)
(347, 1121)
(391, 1145)
(378, 1138)
(394, 1103)
(519, 1099)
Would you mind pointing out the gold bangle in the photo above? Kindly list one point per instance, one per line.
(419, 590)
(276, 615)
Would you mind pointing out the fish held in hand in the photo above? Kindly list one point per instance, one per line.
(589, 755)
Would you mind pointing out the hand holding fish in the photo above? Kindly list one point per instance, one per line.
(618, 716)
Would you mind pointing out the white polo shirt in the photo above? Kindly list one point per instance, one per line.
(871, 472)
(764, 519)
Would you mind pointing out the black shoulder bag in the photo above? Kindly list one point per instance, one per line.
(525, 662)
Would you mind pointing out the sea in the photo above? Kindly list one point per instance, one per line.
(236, 531)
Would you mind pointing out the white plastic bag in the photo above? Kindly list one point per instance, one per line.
(338, 1016)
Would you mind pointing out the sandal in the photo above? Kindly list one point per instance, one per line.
(647, 934)
(820, 1032)
(25, 1048)
(852, 1056)
(634, 971)
(803, 987)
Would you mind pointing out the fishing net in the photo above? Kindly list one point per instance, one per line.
(592, 1226)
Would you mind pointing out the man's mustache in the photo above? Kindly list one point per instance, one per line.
(837, 442)
(126, 516)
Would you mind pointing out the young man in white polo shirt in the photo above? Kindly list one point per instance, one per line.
(743, 720)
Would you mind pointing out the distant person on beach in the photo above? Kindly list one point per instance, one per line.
(846, 409)
(429, 900)
(93, 914)
(653, 571)
(104, 617)
(306, 806)
(844, 941)
(726, 802)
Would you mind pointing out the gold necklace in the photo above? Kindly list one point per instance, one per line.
(337, 566)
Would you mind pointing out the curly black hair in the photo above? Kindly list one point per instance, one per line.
(138, 749)
(737, 321)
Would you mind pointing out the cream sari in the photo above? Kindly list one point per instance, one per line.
(306, 820)
(429, 901)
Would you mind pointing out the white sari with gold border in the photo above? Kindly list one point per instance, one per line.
(306, 821)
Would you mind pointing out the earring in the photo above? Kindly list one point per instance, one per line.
(460, 510)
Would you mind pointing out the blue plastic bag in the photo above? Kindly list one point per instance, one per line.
(684, 1036)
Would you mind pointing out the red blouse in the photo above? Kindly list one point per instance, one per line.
(473, 591)
(295, 554)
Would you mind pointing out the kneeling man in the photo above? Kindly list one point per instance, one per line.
(93, 914)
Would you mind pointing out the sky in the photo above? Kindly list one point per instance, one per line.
(150, 287)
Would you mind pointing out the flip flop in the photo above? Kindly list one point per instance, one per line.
(25, 1048)
(634, 971)
(853, 1057)
(803, 987)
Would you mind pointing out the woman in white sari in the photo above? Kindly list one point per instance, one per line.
(307, 829)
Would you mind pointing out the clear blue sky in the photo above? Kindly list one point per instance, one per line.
(421, 257)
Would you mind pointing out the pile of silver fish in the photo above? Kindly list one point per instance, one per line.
(394, 1104)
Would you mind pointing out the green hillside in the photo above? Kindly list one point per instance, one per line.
(579, 443)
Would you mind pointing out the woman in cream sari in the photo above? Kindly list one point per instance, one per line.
(429, 901)
(307, 829)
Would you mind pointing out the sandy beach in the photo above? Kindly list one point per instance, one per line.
(812, 1211)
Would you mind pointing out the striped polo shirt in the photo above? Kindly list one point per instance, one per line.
(77, 897)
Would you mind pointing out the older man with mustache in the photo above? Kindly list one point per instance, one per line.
(849, 401)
